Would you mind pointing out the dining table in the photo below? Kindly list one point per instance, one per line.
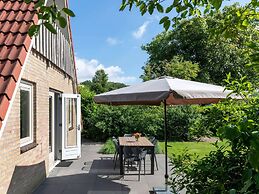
(141, 142)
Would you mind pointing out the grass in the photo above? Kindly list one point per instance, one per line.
(199, 148)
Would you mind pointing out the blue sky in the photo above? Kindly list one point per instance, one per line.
(106, 38)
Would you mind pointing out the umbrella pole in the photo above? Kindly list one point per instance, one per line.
(165, 135)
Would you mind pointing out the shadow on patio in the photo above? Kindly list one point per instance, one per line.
(81, 183)
(93, 173)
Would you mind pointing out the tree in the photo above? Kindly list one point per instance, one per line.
(233, 21)
(176, 67)
(115, 85)
(109, 86)
(99, 82)
(190, 8)
(185, 9)
(194, 41)
(88, 107)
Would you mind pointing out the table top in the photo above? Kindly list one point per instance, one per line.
(131, 141)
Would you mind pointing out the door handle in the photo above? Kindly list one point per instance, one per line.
(78, 127)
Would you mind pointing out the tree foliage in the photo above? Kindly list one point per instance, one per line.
(107, 121)
(234, 21)
(88, 107)
(109, 86)
(99, 82)
(221, 171)
(193, 40)
(176, 67)
(49, 16)
(189, 8)
(234, 170)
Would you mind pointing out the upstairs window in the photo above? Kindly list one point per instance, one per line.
(26, 113)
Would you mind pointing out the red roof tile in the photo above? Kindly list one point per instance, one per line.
(4, 103)
(11, 39)
(15, 19)
(5, 85)
(10, 68)
(19, 16)
(14, 27)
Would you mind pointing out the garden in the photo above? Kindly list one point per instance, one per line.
(192, 51)
(203, 42)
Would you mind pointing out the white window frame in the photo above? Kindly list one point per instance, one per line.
(28, 140)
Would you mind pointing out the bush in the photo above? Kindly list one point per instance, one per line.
(108, 121)
(88, 108)
(108, 147)
(184, 122)
(219, 172)
(226, 171)
(101, 122)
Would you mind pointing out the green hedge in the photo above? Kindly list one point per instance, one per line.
(101, 122)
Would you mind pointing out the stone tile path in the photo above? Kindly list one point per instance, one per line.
(93, 173)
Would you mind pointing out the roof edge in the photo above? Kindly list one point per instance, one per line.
(72, 46)
(4, 122)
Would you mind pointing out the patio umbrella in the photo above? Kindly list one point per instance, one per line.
(166, 90)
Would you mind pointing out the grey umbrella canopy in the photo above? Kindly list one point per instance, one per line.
(166, 90)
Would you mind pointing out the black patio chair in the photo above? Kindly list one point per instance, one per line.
(153, 140)
(117, 151)
(130, 157)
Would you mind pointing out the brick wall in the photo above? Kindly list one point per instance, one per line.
(22, 173)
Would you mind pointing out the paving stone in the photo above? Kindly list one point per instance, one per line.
(93, 173)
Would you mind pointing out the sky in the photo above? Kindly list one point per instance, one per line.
(105, 38)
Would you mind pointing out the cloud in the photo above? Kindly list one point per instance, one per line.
(141, 30)
(86, 70)
(113, 41)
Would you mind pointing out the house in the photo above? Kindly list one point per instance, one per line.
(39, 100)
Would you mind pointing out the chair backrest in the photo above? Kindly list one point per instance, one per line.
(127, 151)
(154, 142)
(116, 144)
(142, 154)
(127, 135)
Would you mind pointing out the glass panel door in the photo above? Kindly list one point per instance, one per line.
(71, 123)
(71, 127)
(51, 129)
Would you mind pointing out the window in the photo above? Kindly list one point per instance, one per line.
(69, 113)
(26, 113)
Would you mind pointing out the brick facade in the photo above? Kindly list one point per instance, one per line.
(23, 172)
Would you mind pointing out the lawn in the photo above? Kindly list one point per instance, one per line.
(199, 148)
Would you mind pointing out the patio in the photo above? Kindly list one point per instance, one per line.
(93, 173)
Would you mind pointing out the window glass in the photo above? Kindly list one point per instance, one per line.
(26, 119)
(50, 123)
(71, 125)
(25, 114)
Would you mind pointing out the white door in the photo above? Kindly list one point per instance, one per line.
(51, 130)
(71, 126)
